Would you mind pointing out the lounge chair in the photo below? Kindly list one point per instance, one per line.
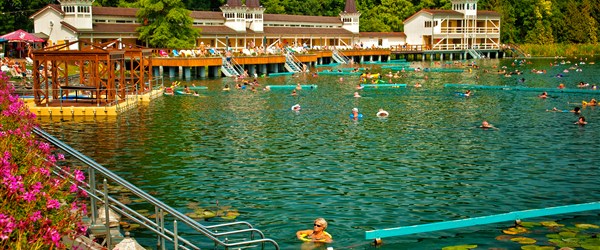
(163, 53)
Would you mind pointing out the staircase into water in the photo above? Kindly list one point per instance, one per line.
(292, 63)
(231, 68)
(339, 57)
(517, 50)
(474, 53)
(165, 223)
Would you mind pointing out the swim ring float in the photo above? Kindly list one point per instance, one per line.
(304, 237)
(383, 113)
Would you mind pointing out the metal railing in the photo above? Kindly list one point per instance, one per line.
(231, 67)
(474, 53)
(99, 195)
(484, 220)
(292, 63)
(339, 57)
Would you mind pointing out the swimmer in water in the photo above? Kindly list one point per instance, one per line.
(317, 234)
(486, 125)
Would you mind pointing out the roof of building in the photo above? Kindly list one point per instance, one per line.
(382, 34)
(488, 13)
(54, 7)
(68, 26)
(306, 31)
(216, 15)
(437, 12)
(350, 7)
(224, 30)
(300, 19)
(112, 11)
(252, 3)
(115, 27)
(234, 3)
(216, 30)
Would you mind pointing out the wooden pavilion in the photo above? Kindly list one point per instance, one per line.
(104, 74)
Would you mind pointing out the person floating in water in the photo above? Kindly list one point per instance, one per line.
(355, 115)
(543, 95)
(468, 93)
(581, 121)
(486, 125)
(317, 234)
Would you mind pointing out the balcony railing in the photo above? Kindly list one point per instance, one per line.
(485, 46)
(470, 30)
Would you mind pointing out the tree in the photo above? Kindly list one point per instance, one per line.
(16, 13)
(540, 34)
(203, 5)
(166, 24)
(370, 22)
(391, 13)
(590, 23)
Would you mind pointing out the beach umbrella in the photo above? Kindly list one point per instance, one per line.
(21, 36)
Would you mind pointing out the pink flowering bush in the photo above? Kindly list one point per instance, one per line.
(37, 208)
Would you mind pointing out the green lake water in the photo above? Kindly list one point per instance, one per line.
(426, 162)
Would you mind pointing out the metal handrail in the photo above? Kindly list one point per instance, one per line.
(341, 55)
(292, 62)
(159, 206)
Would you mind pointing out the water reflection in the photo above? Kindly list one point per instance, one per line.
(426, 162)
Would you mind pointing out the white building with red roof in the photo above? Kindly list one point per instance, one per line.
(462, 28)
(237, 25)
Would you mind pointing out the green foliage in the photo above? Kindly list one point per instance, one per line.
(166, 24)
(540, 34)
(16, 14)
(203, 5)
(559, 49)
(523, 21)
(387, 16)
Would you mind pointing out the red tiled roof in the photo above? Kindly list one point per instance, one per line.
(306, 31)
(115, 27)
(216, 30)
(113, 11)
(382, 34)
(68, 26)
(252, 3)
(298, 18)
(488, 13)
(350, 6)
(234, 3)
(207, 15)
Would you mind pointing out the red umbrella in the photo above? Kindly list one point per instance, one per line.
(22, 36)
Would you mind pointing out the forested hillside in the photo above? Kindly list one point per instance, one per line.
(523, 21)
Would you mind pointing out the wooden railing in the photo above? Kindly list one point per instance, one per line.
(472, 30)
(408, 48)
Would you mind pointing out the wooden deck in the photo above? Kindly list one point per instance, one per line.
(311, 57)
